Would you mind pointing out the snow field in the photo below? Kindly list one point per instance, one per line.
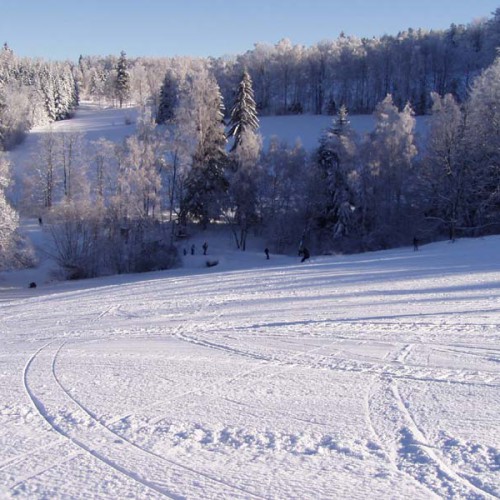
(347, 377)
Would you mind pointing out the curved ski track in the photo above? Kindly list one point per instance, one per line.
(69, 418)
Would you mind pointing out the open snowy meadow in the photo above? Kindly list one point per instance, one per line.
(374, 375)
(364, 376)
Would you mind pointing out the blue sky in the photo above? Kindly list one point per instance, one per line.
(64, 29)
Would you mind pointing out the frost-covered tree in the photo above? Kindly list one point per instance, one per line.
(70, 152)
(244, 181)
(206, 183)
(122, 81)
(483, 148)
(104, 167)
(282, 194)
(244, 172)
(46, 166)
(388, 153)
(169, 96)
(446, 171)
(139, 180)
(243, 118)
(8, 219)
(334, 161)
(15, 114)
(57, 171)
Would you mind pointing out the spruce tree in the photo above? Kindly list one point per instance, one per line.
(122, 84)
(168, 98)
(334, 161)
(244, 113)
(245, 154)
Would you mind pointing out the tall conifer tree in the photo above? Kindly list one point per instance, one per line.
(169, 96)
(244, 112)
(122, 85)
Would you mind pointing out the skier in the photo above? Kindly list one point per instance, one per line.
(205, 248)
(305, 254)
(415, 244)
(192, 249)
(266, 251)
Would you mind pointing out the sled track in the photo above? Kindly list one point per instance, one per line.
(397, 369)
(391, 456)
(430, 450)
(393, 424)
(437, 465)
(39, 406)
(112, 449)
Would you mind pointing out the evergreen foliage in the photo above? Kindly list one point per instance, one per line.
(244, 112)
(334, 162)
(122, 82)
(32, 92)
(168, 98)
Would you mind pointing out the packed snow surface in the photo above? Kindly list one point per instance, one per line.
(364, 376)
(374, 375)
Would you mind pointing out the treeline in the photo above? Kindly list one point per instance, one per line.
(287, 78)
(32, 92)
(357, 73)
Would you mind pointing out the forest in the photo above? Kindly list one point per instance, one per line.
(197, 158)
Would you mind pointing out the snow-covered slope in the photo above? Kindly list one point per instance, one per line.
(307, 129)
(115, 124)
(365, 376)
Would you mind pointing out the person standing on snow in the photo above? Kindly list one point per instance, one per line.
(305, 254)
(205, 248)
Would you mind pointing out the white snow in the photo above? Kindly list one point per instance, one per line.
(363, 376)
(307, 129)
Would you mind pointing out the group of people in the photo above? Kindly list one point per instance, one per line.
(303, 251)
(193, 249)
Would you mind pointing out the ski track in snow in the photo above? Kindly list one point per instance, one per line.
(95, 438)
(209, 321)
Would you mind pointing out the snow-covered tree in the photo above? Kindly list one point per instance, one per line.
(206, 183)
(8, 219)
(243, 119)
(245, 171)
(104, 167)
(70, 158)
(169, 96)
(389, 152)
(244, 181)
(335, 158)
(15, 114)
(483, 147)
(139, 180)
(445, 175)
(282, 194)
(122, 81)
